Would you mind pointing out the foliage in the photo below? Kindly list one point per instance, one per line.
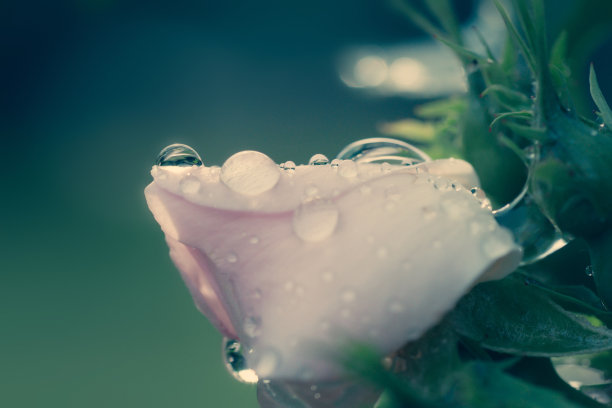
(494, 349)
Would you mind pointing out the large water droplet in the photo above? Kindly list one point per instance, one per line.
(250, 173)
(382, 149)
(178, 155)
(315, 220)
(235, 362)
(589, 270)
(190, 185)
(318, 160)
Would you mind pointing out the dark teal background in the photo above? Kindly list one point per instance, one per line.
(92, 312)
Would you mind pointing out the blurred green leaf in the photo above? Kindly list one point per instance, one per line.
(598, 98)
(514, 316)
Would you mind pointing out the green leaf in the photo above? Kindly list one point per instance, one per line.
(485, 385)
(531, 133)
(443, 11)
(512, 30)
(598, 98)
(516, 317)
(600, 250)
(441, 108)
(416, 17)
(526, 114)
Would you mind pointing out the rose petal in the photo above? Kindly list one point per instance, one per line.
(320, 258)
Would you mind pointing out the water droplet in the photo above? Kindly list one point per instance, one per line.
(235, 362)
(393, 194)
(335, 164)
(252, 326)
(231, 258)
(348, 169)
(482, 197)
(250, 173)
(289, 167)
(315, 220)
(589, 270)
(429, 213)
(267, 363)
(254, 240)
(178, 155)
(379, 149)
(328, 276)
(311, 191)
(313, 387)
(189, 185)
(531, 152)
(382, 252)
(317, 395)
(348, 296)
(289, 286)
(215, 171)
(318, 160)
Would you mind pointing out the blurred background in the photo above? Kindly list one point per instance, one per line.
(92, 311)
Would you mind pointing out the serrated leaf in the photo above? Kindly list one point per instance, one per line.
(515, 317)
(598, 98)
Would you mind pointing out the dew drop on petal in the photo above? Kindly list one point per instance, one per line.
(289, 167)
(235, 363)
(254, 240)
(335, 164)
(382, 252)
(481, 196)
(250, 173)
(328, 276)
(589, 270)
(267, 363)
(189, 185)
(318, 160)
(311, 191)
(429, 213)
(315, 220)
(178, 155)
(348, 296)
(231, 258)
(252, 326)
(348, 169)
(395, 306)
